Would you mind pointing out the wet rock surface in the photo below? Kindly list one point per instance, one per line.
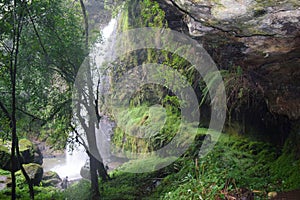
(262, 37)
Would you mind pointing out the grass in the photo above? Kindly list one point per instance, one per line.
(235, 162)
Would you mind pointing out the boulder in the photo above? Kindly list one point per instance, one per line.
(51, 178)
(85, 171)
(29, 154)
(4, 156)
(37, 157)
(2, 182)
(34, 171)
(26, 150)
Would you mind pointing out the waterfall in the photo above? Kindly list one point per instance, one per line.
(71, 163)
(67, 165)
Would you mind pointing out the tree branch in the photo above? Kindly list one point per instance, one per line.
(36, 32)
(30, 115)
(5, 111)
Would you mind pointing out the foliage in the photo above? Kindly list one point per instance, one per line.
(44, 74)
(78, 191)
(143, 128)
(234, 162)
(284, 170)
(30, 57)
(145, 13)
(47, 193)
(241, 92)
(152, 15)
(4, 172)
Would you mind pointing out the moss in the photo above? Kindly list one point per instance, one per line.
(4, 157)
(123, 21)
(144, 128)
(285, 170)
(4, 172)
(145, 13)
(25, 144)
(150, 163)
(34, 171)
(4, 148)
(233, 158)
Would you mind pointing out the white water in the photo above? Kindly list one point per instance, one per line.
(71, 163)
(67, 165)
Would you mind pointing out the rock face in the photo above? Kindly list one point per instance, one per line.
(262, 37)
(29, 154)
(51, 179)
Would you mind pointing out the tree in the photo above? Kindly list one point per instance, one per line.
(86, 102)
(39, 41)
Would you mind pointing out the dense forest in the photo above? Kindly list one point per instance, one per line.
(145, 99)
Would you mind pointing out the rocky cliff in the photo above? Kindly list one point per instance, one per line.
(262, 37)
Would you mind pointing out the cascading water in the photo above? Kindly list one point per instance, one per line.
(71, 163)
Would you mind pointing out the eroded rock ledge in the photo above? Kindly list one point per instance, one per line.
(263, 37)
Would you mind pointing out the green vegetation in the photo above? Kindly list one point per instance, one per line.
(285, 169)
(156, 124)
(36, 80)
(235, 162)
(41, 193)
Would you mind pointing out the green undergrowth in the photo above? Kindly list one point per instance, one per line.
(22, 191)
(235, 162)
(145, 128)
(285, 170)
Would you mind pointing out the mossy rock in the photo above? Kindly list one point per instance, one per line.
(4, 157)
(29, 154)
(26, 150)
(34, 171)
(50, 178)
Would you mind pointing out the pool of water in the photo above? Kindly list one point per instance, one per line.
(67, 165)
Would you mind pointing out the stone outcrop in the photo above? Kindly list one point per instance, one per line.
(29, 154)
(262, 37)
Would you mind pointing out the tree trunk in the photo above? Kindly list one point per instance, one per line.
(28, 180)
(86, 23)
(15, 153)
(96, 164)
(94, 178)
